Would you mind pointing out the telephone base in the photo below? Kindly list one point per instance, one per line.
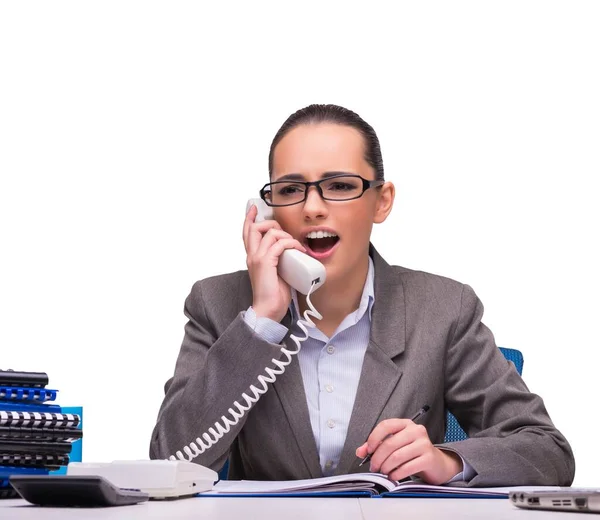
(161, 479)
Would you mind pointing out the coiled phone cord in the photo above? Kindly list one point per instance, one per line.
(216, 432)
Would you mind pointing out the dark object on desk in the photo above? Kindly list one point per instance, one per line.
(15, 378)
(74, 491)
(567, 499)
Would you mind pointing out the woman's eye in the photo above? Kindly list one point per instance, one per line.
(289, 190)
(341, 186)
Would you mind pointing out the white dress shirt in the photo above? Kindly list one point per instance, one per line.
(331, 369)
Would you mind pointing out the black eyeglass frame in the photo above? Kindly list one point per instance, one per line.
(366, 184)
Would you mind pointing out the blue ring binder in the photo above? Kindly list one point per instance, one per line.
(20, 393)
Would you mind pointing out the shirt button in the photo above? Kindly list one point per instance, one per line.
(329, 464)
(329, 388)
(331, 423)
(330, 349)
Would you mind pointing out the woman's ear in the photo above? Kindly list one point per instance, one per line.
(385, 201)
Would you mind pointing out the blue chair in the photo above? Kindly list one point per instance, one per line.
(224, 471)
(453, 430)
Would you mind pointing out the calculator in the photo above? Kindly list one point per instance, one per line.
(74, 491)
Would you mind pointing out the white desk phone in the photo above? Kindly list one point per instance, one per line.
(179, 476)
(159, 478)
(298, 269)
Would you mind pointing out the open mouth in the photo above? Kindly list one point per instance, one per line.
(321, 242)
(322, 245)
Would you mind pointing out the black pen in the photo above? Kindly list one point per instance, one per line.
(416, 416)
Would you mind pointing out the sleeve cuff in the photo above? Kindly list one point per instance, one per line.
(467, 472)
(265, 328)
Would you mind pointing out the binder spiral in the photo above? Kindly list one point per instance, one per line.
(38, 419)
(27, 394)
(27, 433)
(50, 461)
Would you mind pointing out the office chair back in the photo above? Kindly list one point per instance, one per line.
(453, 430)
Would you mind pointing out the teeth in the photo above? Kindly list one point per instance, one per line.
(320, 234)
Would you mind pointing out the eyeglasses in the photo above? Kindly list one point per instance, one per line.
(338, 187)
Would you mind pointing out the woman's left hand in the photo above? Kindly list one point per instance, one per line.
(402, 448)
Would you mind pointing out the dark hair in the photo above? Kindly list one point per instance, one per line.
(313, 114)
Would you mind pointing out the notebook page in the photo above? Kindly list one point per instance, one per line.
(350, 482)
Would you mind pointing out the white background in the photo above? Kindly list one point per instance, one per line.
(132, 133)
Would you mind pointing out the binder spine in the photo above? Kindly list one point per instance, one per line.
(18, 378)
(37, 419)
(7, 471)
(28, 406)
(40, 434)
(14, 393)
(14, 447)
(33, 460)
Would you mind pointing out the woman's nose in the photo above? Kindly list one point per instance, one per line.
(314, 205)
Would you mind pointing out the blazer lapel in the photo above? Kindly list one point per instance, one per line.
(290, 389)
(379, 375)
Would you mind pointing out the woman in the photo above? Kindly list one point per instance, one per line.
(391, 340)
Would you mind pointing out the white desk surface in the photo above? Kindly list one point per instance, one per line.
(200, 509)
(456, 508)
(294, 508)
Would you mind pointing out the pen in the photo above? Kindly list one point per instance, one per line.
(415, 417)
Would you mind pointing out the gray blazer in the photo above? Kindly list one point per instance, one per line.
(427, 346)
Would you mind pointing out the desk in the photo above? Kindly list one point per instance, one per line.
(199, 509)
(456, 508)
(294, 509)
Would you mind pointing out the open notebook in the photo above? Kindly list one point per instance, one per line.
(363, 484)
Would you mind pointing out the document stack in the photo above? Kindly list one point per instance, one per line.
(36, 436)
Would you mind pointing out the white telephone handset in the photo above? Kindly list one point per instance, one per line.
(298, 269)
(305, 274)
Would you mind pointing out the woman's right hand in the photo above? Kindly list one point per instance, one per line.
(265, 242)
